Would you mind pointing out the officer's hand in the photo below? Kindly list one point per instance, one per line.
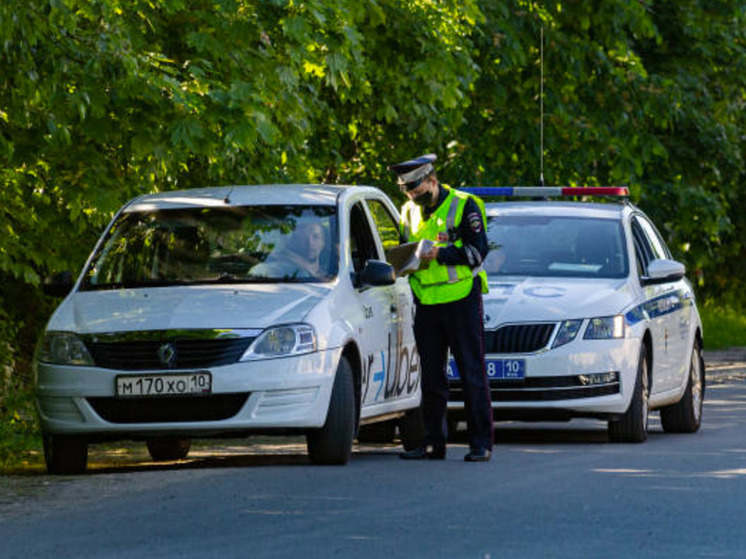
(431, 254)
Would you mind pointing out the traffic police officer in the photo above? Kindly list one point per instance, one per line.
(448, 297)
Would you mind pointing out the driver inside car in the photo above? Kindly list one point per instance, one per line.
(301, 257)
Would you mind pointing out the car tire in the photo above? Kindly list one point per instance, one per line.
(632, 427)
(332, 444)
(166, 449)
(412, 429)
(685, 416)
(381, 432)
(65, 454)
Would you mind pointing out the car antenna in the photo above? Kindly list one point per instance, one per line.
(541, 114)
(541, 109)
(227, 198)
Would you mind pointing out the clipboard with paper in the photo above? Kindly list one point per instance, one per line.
(406, 258)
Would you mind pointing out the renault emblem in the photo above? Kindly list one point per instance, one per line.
(167, 355)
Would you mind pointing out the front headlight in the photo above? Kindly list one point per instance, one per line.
(605, 328)
(281, 341)
(64, 348)
(567, 331)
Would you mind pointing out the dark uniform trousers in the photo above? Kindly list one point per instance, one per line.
(459, 326)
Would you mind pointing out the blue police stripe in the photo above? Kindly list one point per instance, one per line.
(635, 315)
(659, 306)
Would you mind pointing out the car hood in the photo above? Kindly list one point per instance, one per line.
(513, 300)
(244, 306)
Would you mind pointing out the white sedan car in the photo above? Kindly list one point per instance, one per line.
(587, 316)
(232, 310)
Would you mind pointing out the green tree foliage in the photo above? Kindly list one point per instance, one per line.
(102, 100)
(648, 94)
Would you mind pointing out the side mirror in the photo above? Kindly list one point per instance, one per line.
(663, 270)
(375, 273)
(59, 285)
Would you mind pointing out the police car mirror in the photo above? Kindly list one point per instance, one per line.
(663, 270)
(375, 273)
(59, 285)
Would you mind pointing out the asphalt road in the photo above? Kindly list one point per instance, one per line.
(551, 490)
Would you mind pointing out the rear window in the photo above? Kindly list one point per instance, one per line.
(200, 245)
(556, 247)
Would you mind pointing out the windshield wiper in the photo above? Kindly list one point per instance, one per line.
(226, 277)
(129, 285)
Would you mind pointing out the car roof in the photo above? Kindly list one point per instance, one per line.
(561, 209)
(243, 195)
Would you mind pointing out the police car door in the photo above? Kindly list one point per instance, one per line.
(663, 304)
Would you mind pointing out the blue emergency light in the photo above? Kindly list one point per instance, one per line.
(542, 191)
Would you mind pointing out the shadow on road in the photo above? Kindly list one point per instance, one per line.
(245, 453)
(551, 435)
(202, 462)
(128, 456)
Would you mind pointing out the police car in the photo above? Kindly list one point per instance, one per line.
(232, 310)
(588, 315)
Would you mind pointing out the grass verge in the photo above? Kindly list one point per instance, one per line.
(723, 326)
(20, 437)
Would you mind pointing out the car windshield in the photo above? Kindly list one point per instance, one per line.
(551, 246)
(205, 245)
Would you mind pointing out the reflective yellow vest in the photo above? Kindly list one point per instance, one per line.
(440, 283)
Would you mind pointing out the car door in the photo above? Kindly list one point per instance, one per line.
(376, 340)
(664, 306)
(405, 379)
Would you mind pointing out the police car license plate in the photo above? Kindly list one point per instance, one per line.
(503, 369)
(164, 385)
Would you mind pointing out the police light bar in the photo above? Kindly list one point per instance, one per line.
(541, 191)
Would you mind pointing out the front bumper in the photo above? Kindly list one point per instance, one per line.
(274, 394)
(593, 378)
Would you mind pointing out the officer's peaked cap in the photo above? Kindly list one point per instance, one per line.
(414, 169)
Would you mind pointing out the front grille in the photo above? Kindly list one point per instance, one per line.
(172, 409)
(543, 389)
(139, 355)
(518, 338)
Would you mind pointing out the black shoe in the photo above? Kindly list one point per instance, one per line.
(422, 453)
(478, 455)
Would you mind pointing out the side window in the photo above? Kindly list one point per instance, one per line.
(643, 251)
(387, 225)
(362, 243)
(648, 244)
(660, 250)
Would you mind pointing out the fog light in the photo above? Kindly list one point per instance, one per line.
(599, 378)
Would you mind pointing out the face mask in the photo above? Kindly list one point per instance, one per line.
(425, 199)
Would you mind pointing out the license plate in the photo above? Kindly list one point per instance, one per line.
(164, 385)
(504, 369)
